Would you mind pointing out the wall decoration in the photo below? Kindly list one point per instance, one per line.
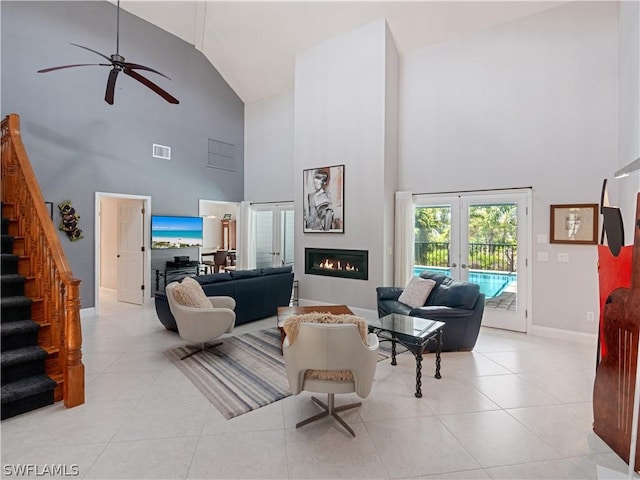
(574, 223)
(69, 222)
(50, 208)
(323, 199)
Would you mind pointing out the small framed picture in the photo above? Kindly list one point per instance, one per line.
(574, 223)
(50, 207)
(323, 199)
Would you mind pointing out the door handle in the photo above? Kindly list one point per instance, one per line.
(464, 265)
(454, 265)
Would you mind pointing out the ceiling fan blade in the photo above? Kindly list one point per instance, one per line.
(111, 86)
(151, 85)
(108, 59)
(135, 66)
(51, 69)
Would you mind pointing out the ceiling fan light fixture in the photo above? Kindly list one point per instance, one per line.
(118, 64)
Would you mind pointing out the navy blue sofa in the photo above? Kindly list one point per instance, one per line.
(258, 293)
(459, 305)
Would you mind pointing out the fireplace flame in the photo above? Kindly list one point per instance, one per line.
(328, 264)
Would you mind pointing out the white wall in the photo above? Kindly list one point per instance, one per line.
(529, 103)
(268, 142)
(340, 118)
(532, 102)
(391, 154)
(625, 189)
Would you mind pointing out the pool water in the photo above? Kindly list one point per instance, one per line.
(491, 283)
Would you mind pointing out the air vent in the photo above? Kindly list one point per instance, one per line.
(222, 155)
(160, 151)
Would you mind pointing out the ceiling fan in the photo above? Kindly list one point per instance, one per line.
(116, 61)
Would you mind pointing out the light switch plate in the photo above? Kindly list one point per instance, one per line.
(543, 256)
(563, 257)
(542, 238)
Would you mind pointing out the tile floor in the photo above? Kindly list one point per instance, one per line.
(518, 406)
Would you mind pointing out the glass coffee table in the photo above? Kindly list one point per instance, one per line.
(415, 334)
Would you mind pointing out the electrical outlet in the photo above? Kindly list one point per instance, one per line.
(543, 256)
(590, 317)
(563, 257)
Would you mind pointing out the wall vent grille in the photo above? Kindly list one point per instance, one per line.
(161, 151)
(222, 155)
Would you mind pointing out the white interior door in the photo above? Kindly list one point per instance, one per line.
(130, 251)
(482, 239)
(274, 234)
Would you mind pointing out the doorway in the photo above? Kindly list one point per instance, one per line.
(122, 248)
(274, 234)
(221, 221)
(481, 238)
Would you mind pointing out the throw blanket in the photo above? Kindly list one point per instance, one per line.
(292, 327)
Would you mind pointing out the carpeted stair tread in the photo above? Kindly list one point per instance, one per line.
(15, 308)
(18, 327)
(17, 301)
(9, 263)
(22, 355)
(22, 363)
(6, 243)
(26, 387)
(12, 285)
(18, 334)
(12, 278)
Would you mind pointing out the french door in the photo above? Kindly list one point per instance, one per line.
(274, 234)
(483, 239)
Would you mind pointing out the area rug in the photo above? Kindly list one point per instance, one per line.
(249, 373)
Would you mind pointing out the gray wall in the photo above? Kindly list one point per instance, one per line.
(78, 144)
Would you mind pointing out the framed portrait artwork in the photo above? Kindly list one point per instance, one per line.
(323, 199)
(574, 223)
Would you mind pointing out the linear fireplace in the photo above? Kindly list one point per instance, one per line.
(337, 263)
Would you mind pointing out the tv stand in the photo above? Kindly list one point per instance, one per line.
(172, 270)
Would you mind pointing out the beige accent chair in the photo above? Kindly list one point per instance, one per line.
(202, 324)
(317, 359)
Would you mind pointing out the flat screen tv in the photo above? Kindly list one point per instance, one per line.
(175, 232)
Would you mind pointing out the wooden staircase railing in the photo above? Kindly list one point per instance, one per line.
(56, 292)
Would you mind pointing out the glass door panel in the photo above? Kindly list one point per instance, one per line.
(274, 234)
(482, 236)
(264, 238)
(286, 236)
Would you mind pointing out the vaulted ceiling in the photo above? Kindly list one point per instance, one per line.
(253, 44)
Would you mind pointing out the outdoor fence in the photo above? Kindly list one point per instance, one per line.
(482, 256)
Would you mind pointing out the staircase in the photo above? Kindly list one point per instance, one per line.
(41, 356)
(25, 386)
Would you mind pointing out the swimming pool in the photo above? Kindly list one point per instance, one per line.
(491, 283)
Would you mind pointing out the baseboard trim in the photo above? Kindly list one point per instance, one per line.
(580, 337)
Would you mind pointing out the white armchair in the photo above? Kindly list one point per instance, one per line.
(330, 358)
(204, 323)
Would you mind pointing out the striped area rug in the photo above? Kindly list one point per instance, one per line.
(250, 374)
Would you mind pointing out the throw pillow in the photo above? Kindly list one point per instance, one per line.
(292, 326)
(190, 294)
(416, 292)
